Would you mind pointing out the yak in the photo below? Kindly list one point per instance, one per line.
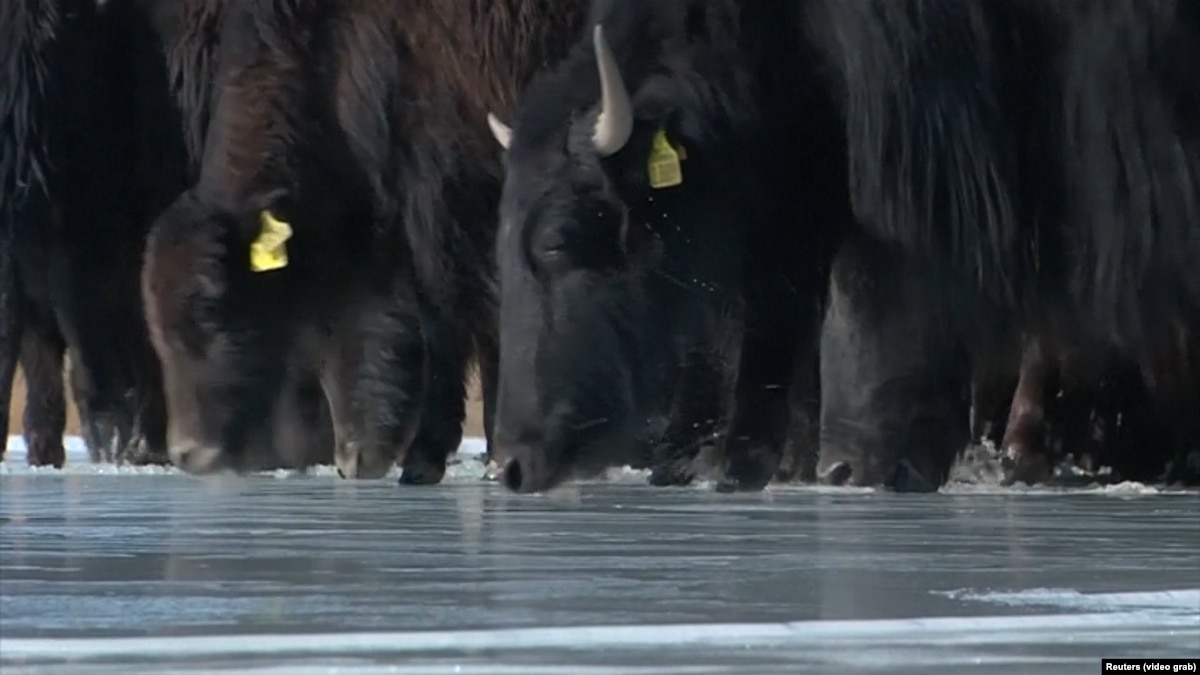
(82, 166)
(672, 193)
(1024, 168)
(341, 221)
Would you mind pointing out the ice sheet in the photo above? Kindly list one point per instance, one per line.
(114, 570)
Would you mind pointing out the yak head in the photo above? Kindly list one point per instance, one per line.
(221, 304)
(601, 219)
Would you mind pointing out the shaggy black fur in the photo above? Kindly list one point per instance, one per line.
(84, 163)
(616, 296)
(1020, 170)
(361, 124)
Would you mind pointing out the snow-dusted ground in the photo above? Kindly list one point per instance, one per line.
(117, 570)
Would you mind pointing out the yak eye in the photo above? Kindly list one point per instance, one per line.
(549, 243)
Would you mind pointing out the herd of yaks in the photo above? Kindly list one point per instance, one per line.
(830, 240)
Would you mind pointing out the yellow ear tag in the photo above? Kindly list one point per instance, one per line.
(267, 252)
(663, 167)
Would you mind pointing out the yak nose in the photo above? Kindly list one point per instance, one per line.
(526, 472)
(527, 467)
(355, 462)
(195, 458)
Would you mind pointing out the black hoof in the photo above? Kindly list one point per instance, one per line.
(726, 485)
(422, 473)
(749, 466)
(673, 474)
(907, 478)
(747, 476)
(837, 475)
(1024, 467)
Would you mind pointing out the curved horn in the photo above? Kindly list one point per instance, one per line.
(615, 123)
(500, 130)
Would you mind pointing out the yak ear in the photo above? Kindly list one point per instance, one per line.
(500, 130)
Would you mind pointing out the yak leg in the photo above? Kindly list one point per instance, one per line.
(302, 430)
(993, 382)
(1026, 457)
(488, 355)
(804, 424)
(106, 411)
(92, 435)
(149, 442)
(447, 357)
(895, 383)
(374, 378)
(10, 339)
(695, 411)
(1177, 398)
(42, 350)
(758, 425)
(1185, 466)
(315, 444)
(75, 379)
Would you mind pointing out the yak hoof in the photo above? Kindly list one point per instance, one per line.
(422, 472)
(1184, 469)
(418, 469)
(46, 452)
(838, 474)
(748, 473)
(139, 453)
(672, 474)
(1024, 459)
(907, 478)
(1024, 467)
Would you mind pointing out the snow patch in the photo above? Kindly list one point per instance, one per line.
(819, 634)
(1186, 601)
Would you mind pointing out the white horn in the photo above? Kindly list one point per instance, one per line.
(615, 123)
(500, 130)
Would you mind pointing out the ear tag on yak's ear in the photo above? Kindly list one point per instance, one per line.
(268, 251)
(663, 167)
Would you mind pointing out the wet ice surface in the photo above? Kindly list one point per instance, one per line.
(107, 570)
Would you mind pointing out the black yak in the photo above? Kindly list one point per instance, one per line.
(342, 221)
(1023, 168)
(672, 194)
(83, 166)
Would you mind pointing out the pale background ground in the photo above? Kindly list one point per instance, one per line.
(474, 425)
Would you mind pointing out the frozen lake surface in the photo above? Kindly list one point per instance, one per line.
(113, 571)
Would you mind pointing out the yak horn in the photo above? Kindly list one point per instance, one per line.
(500, 130)
(615, 123)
